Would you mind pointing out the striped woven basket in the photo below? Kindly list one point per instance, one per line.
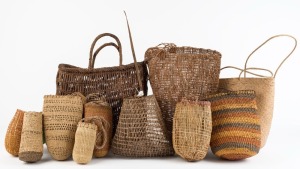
(236, 131)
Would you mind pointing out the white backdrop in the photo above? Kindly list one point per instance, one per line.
(36, 36)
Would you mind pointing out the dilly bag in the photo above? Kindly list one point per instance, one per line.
(192, 128)
(264, 88)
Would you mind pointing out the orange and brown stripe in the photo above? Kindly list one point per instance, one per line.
(236, 131)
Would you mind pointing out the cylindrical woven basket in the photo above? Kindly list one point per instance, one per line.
(85, 139)
(61, 116)
(264, 88)
(181, 72)
(192, 128)
(13, 133)
(100, 109)
(31, 147)
(141, 131)
(236, 131)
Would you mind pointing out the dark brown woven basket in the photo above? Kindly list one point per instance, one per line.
(177, 72)
(114, 83)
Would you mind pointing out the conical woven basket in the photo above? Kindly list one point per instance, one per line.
(13, 133)
(31, 147)
(85, 139)
(192, 128)
(141, 131)
(236, 131)
(61, 116)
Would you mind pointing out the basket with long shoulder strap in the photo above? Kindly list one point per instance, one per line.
(177, 72)
(114, 83)
(141, 131)
(192, 128)
(13, 133)
(264, 88)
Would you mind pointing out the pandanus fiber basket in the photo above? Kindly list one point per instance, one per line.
(61, 116)
(181, 72)
(114, 83)
(264, 88)
(13, 133)
(192, 128)
(236, 131)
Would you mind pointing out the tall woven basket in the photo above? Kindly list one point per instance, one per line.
(31, 146)
(141, 131)
(192, 128)
(114, 83)
(13, 133)
(181, 72)
(61, 116)
(98, 108)
(264, 88)
(236, 131)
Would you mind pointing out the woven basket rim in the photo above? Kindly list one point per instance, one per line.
(62, 96)
(201, 102)
(75, 69)
(250, 92)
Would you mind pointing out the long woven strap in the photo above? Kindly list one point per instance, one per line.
(276, 36)
(247, 71)
(134, 57)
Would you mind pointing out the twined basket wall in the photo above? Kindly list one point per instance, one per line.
(236, 131)
(192, 128)
(264, 89)
(177, 72)
(85, 139)
(13, 133)
(61, 116)
(31, 146)
(141, 131)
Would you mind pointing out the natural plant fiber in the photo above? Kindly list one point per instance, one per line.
(85, 139)
(181, 72)
(100, 109)
(31, 147)
(192, 126)
(141, 131)
(61, 116)
(13, 133)
(264, 88)
(236, 131)
(114, 83)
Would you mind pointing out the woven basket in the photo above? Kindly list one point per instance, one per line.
(192, 128)
(141, 131)
(236, 131)
(114, 83)
(61, 116)
(100, 109)
(31, 146)
(181, 72)
(264, 88)
(85, 139)
(13, 133)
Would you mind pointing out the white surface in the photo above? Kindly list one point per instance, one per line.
(36, 36)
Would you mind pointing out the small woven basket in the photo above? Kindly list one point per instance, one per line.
(13, 133)
(236, 130)
(85, 139)
(61, 116)
(141, 131)
(31, 147)
(99, 108)
(192, 128)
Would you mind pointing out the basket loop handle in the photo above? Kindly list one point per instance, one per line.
(93, 56)
(99, 49)
(247, 71)
(134, 58)
(276, 36)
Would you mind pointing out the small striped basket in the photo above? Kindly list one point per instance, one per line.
(236, 132)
